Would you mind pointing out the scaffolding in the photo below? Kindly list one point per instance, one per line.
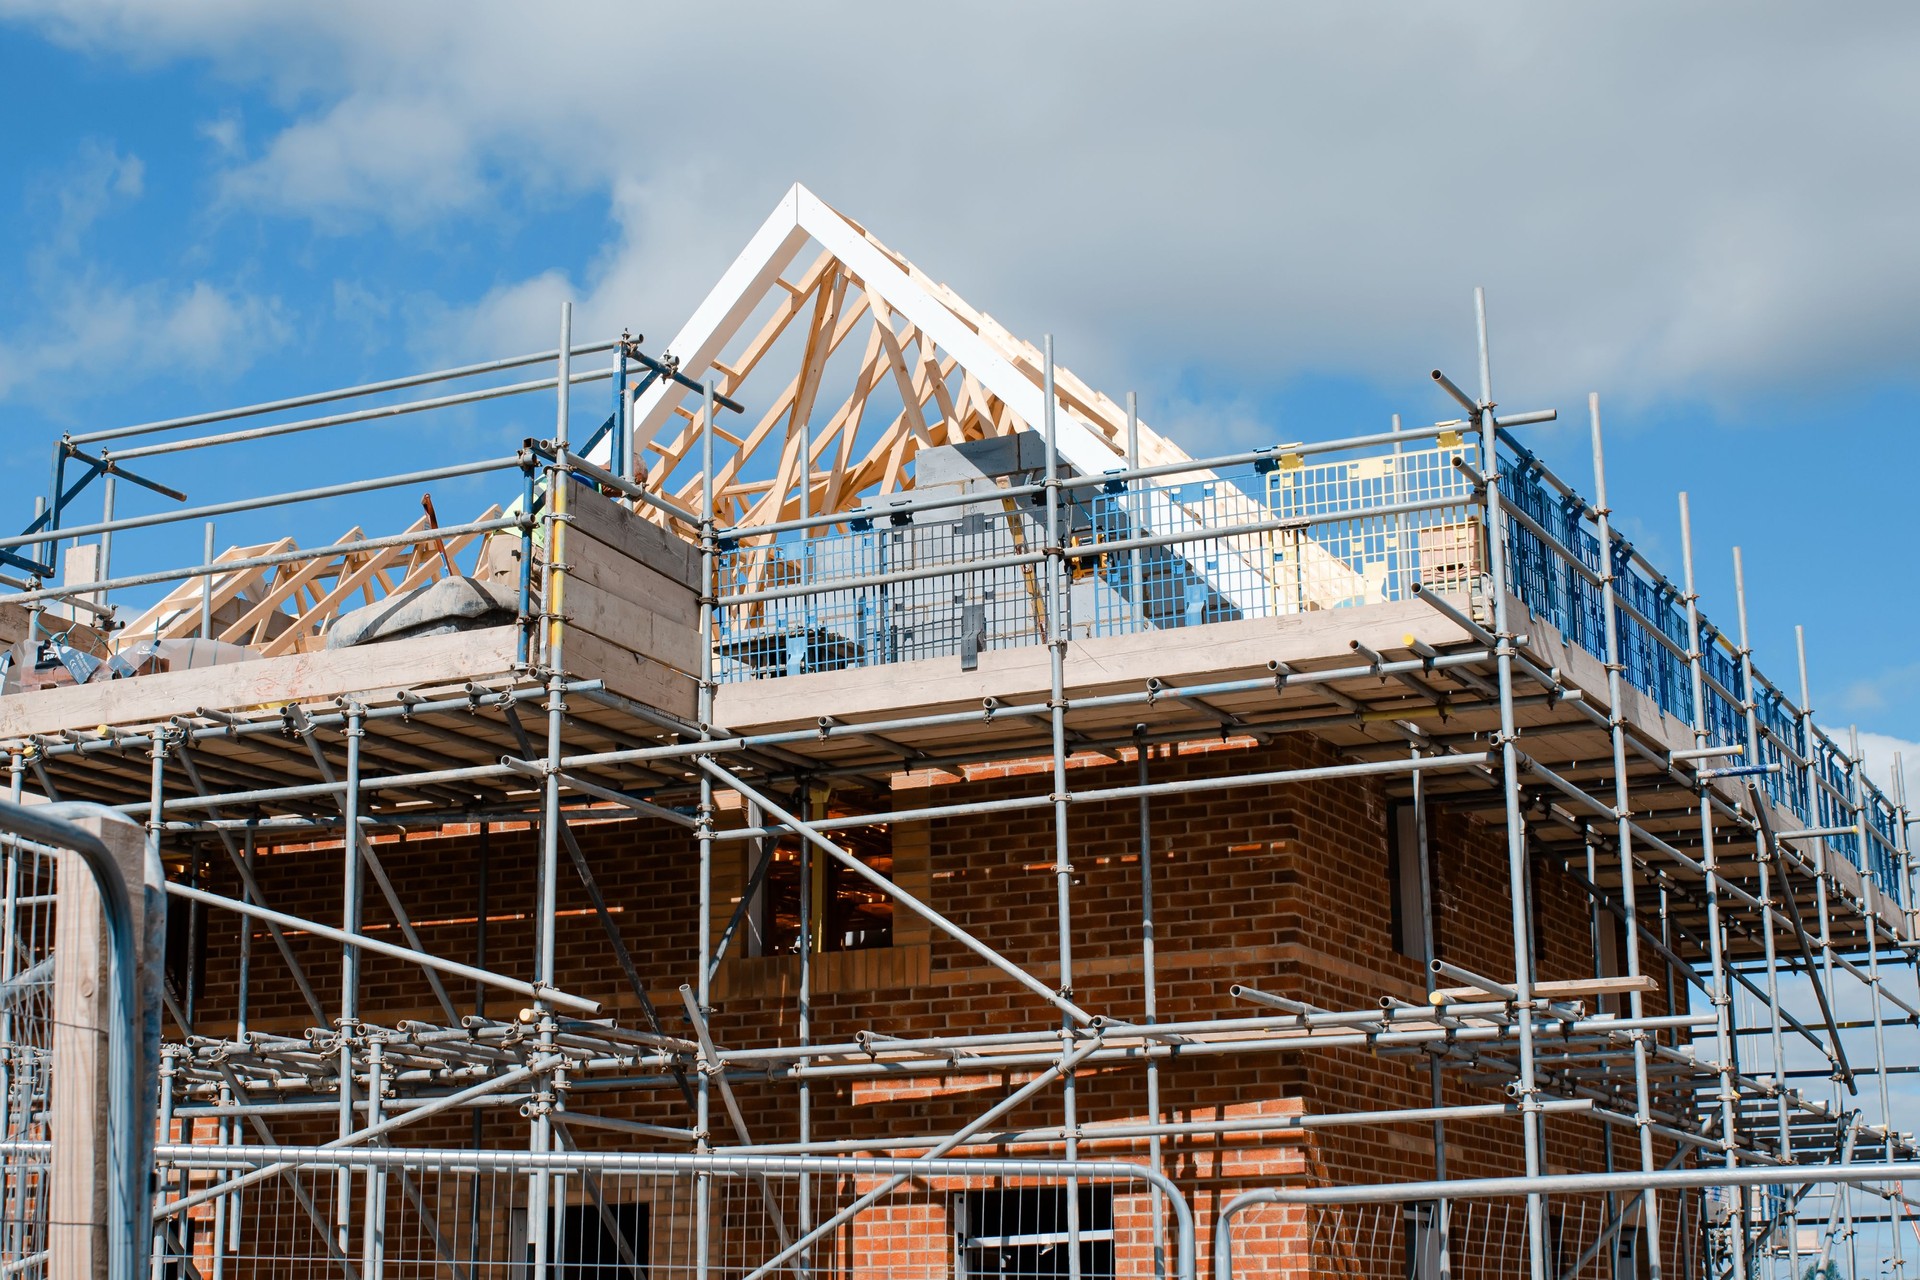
(1440, 615)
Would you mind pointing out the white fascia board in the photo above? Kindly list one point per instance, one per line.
(728, 304)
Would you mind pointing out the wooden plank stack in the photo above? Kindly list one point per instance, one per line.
(631, 601)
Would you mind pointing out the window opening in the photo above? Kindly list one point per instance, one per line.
(849, 913)
(186, 950)
(1406, 909)
(1021, 1234)
(1630, 1261)
(1531, 871)
(1612, 958)
(589, 1243)
(1421, 1238)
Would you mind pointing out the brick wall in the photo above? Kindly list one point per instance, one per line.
(1282, 889)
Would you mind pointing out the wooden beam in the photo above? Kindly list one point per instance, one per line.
(902, 376)
(179, 611)
(783, 316)
(928, 366)
(1560, 989)
(294, 577)
(796, 463)
(845, 426)
(344, 586)
(746, 448)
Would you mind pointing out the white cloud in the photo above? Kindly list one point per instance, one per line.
(1225, 419)
(1880, 749)
(225, 133)
(1875, 692)
(82, 314)
(1660, 202)
(404, 160)
(70, 201)
(194, 329)
(636, 282)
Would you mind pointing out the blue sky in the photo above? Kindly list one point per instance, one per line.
(1274, 237)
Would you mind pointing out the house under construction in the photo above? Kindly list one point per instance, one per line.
(858, 802)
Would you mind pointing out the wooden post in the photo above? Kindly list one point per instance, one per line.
(77, 1214)
(78, 1208)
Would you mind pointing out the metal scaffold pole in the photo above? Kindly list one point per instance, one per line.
(156, 824)
(1822, 852)
(804, 1019)
(1869, 878)
(1720, 991)
(1150, 1001)
(1496, 541)
(547, 1094)
(14, 1119)
(1623, 831)
(1429, 952)
(1056, 634)
(1766, 852)
(709, 590)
